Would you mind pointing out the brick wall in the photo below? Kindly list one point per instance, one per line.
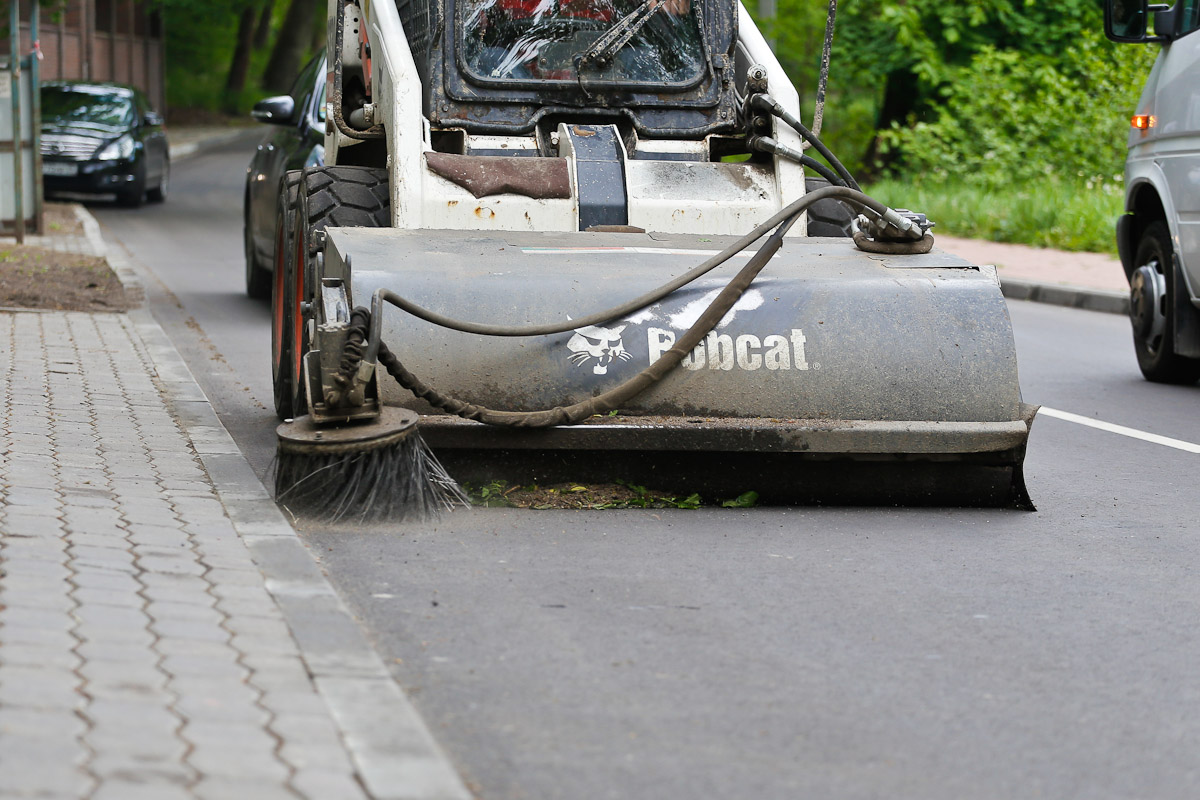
(100, 40)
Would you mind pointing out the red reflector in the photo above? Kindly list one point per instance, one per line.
(1143, 121)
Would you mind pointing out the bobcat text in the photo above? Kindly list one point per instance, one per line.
(746, 351)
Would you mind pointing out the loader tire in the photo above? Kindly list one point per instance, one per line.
(328, 197)
(282, 356)
(827, 217)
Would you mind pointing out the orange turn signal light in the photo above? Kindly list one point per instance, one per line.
(1143, 122)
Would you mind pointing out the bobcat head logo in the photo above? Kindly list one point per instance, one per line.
(600, 345)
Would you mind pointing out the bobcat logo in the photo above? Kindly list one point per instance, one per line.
(601, 345)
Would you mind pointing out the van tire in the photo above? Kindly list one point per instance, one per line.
(1156, 354)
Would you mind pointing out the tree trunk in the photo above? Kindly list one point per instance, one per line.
(900, 100)
(262, 33)
(240, 66)
(290, 45)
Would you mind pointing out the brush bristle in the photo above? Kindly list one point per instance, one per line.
(400, 481)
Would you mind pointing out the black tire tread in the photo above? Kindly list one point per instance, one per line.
(281, 374)
(828, 217)
(346, 197)
(337, 197)
(1165, 365)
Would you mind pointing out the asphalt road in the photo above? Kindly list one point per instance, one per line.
(774, 652)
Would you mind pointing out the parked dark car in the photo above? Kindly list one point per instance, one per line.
(103, 139)
(296, 140)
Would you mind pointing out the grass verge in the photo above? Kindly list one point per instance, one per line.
(1053, 213)
(591, 496)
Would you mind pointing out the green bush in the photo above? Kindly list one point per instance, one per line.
(1012, 118)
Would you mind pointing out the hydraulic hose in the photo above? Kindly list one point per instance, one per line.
(764, 102)
(765, 144)
(353, 368)
(484, 329)
(615, 397)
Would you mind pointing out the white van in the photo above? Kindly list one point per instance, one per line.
(1158, 236)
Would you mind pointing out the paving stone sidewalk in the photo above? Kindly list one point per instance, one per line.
(163, 634)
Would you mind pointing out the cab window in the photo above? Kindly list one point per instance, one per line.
(542, 39)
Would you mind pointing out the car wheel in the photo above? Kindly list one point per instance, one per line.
(159, 193)
(135, 194)
(1152, 308)
(258, 277)
(282, 353)
(827, 217)
(329, 197)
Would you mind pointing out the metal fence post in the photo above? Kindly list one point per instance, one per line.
(14, 63)
(20, 85)
(35, 81)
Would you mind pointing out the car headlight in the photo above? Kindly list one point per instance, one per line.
(121, 148)
(316, 158)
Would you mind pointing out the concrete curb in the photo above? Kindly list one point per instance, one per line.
(1064, 295)
(393, 750)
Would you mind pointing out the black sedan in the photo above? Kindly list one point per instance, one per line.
(295, 141)
(103, 139)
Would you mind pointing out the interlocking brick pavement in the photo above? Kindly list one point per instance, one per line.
(163, 632)
(130, 664)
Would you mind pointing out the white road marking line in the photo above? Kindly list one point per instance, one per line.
(1133, 433)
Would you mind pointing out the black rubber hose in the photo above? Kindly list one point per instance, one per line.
(615, 397)
(765, 144)
(483, 329)
(764, 102)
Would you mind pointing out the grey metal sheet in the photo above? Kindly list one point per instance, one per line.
(826, 333)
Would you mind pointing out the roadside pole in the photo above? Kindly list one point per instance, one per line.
(21, 120)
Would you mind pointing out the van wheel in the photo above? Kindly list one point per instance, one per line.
(1151, 308)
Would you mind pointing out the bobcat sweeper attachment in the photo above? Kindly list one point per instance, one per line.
(574, 237)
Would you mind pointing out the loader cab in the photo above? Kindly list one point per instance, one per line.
(663, 66)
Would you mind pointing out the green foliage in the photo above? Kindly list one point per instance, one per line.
(743, 500)
(1002, 119)
(1068, 214)
(931, 40)
(1009, 117)
(643, 498)
(489, 495)
(201, 36)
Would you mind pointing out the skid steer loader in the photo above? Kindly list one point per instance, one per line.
(524, 163)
